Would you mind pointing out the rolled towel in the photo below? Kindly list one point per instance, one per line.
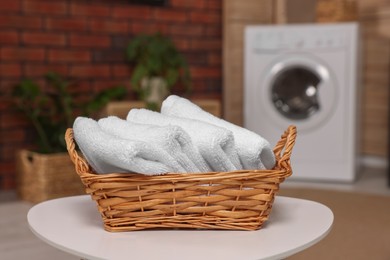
(215, 144)
(172, 139)
(107, 153)
(255, 152)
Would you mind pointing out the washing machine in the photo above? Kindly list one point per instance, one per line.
(306, 75)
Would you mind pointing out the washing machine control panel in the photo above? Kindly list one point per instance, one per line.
(274, 40)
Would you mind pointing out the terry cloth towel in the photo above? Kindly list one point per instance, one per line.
(255, 152)
(172, 139)
(107, 153)
(215, 144)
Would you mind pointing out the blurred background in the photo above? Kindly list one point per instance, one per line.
(85, 43)
(63, 58)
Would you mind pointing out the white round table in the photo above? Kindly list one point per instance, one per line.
(73, 224)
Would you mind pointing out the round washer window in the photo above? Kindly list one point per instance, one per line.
(297, 89)
(295, 93)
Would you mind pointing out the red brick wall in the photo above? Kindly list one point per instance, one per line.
(86, 40)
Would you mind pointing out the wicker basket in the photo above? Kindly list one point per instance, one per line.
(238, 200)
(42, 177)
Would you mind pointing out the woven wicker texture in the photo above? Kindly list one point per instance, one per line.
(238, 200)
(42, 177)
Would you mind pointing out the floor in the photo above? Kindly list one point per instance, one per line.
(370, 180)
(17, 241)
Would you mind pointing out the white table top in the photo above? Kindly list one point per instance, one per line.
(73, 224)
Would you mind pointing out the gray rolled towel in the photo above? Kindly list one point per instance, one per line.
(107, 153)
(255, 152)
(172, 139)
(215, 144)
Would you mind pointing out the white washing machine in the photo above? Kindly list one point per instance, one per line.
(305, 75)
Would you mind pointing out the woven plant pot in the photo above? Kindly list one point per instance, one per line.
(237, 200)
(42, 177)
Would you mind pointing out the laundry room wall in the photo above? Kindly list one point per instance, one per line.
(375, 20)
(374, 17)
(85, 42)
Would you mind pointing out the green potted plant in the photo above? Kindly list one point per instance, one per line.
(48, 172)
(158, 67)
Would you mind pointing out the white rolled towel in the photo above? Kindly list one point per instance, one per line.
(108, 154)
(255, 152)
(173, 139)
(215, 144)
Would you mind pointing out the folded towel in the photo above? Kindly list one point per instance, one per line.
(107, 153)
(215, 144)
(172, 139)
(255, 152)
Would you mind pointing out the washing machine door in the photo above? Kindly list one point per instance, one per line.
(299, 90)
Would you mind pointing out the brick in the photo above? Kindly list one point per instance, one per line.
(108, 26)
(7, 174)
(176, 16)
(22, 54)
(214, 59)
(191, 4)
(41, 38)
(10, 70)
(205, 72)
(213, 5)
(132, 12)
(69, 56)
(17, 119)
(6, 169)
(38, 70)
(82, 86)
(213, 31)
(186, 30)
(45, 7)
(9, 181)
(206, 18)
(12, 135)
(6, 101)
(91, 41)
(107, 55)
(120, 41)
(67, 24)
(10, 6)
(9, 37)
(196, 94)
(90, 9)
(6, 85)
(106, 84)
(206, 44)
(213, 85)
(196, 58)
(148, 28)
(121, 71)
(20, 22)
(90, 71)
(182, 44)
(198, 86)
(8, 153)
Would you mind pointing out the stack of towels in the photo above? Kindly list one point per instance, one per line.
(183, 138)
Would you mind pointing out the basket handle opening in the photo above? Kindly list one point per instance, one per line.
(283, 148)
